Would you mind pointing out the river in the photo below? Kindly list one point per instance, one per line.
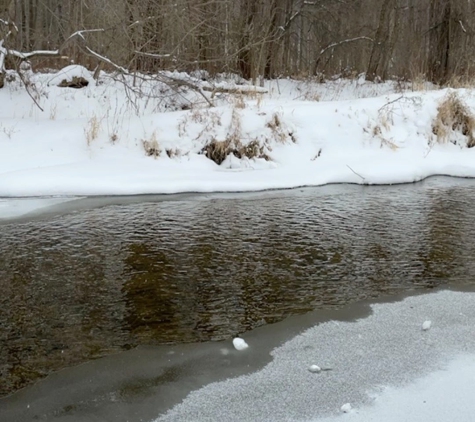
(104, 275)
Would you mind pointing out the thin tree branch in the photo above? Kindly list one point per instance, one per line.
(359, 175)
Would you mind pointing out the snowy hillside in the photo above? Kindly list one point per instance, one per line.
(119, 136)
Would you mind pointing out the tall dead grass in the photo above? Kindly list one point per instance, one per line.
(218, 151)
(453, 115)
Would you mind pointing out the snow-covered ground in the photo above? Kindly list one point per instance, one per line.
(387, 367)
(110, 139)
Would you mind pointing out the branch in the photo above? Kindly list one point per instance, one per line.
(336, 44)
(359, 175)
(27, 87)
(181, 82)
(390, 102)
(81, 33)
(106, 60)
(31, 54)
(166, 79)
(155, 56)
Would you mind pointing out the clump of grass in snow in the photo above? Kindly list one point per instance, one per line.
(92, 129)
(279, 132)
(217, 151)
(461, 82)
(453, 115)
(239, 102)
(151, 146)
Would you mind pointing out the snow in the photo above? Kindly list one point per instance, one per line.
(70, 72)
(346, 408)
(240, 344)
(384, 368)
(315, 369)
(426, 325)
(444, 395)
(90, 141)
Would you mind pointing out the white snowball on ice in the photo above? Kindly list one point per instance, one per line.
(240, 344)
(315, 368)
(346, 408)
(426, 325)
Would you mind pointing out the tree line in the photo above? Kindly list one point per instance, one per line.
(406, 39)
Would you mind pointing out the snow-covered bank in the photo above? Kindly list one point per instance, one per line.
(386, 366)
(107, 140)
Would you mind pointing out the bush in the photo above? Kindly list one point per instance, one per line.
(453, 115)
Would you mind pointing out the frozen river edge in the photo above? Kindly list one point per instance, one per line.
(377, 364)
(366, 351)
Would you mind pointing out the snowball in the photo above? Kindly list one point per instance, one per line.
(314, 368)
(346, 408)
(240, 344)
(426, 325)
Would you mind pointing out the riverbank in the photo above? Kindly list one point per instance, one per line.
(113, 138)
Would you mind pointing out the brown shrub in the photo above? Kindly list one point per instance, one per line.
(151, 146)
(453, 115)
(217, 151)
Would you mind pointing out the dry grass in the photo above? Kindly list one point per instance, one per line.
(173, 152)
(9, 131)
(208, 119)
(385, 142)
(279, 133)
(238, 101)
(464, 81)
(92, 129)
(151, 146)
(419, 82)
(53, 111)
(76, 82)
(453, 115)
(218, 151)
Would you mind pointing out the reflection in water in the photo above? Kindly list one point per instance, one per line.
(94, 282)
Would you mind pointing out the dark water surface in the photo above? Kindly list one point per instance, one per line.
(79, 285)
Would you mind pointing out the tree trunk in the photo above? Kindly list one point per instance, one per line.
(377, 57)
(439, 44)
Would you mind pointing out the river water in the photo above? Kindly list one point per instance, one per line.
(107, 275)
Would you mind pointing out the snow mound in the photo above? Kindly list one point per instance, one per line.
(426, 325)
(68, 73)
(240, 344)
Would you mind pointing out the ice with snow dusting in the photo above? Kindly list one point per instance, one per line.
(12, 208)
(389, 355)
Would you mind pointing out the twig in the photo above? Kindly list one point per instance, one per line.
(155, 56)
(390, 102)
(359, 175)
(26, 83)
